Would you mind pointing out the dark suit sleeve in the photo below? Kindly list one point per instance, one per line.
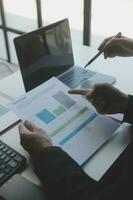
(128, 115)
(62, 177)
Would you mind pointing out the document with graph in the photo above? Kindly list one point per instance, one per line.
(7, 117)
(69, 120)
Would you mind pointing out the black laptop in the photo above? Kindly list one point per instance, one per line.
(47, 52)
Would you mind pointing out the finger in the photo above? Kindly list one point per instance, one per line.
(23, 129)
(111, 46)
(89, 95)
(30, 126)
(117, 42)
(103, 44)
(107, 41)
(79, 91)
(105, 54)
(109, 53)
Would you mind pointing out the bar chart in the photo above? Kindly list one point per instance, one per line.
(64, 99)
(63, 102)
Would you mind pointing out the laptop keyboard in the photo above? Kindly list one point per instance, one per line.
(75, 77)
(10, 162)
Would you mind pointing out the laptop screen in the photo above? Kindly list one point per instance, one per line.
(44, 53)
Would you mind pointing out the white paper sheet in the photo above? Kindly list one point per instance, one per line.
(66, 118)
(7, 117)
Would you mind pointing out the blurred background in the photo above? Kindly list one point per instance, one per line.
(90, 22)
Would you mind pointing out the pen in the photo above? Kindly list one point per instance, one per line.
(100, 52)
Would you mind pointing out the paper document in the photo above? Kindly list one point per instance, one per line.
(7, 117)
(65, 117)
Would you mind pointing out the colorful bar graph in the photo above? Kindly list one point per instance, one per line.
(46, 116)
(64, 99)
(76, 116)
(77, 130)
(59, 111)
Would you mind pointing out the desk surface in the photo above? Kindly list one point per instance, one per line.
(120, 68)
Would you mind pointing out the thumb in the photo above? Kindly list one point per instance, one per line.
(30, 126)
(23, 129)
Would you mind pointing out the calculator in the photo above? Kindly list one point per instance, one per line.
(10, 162)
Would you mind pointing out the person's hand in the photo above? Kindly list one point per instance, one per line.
(122, 46)
(33, 139)
(105, 98)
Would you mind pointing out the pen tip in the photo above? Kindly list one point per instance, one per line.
(85, 65)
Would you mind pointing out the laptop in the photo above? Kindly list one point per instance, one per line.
(47, 52)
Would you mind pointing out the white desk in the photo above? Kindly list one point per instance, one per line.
(121, 68)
